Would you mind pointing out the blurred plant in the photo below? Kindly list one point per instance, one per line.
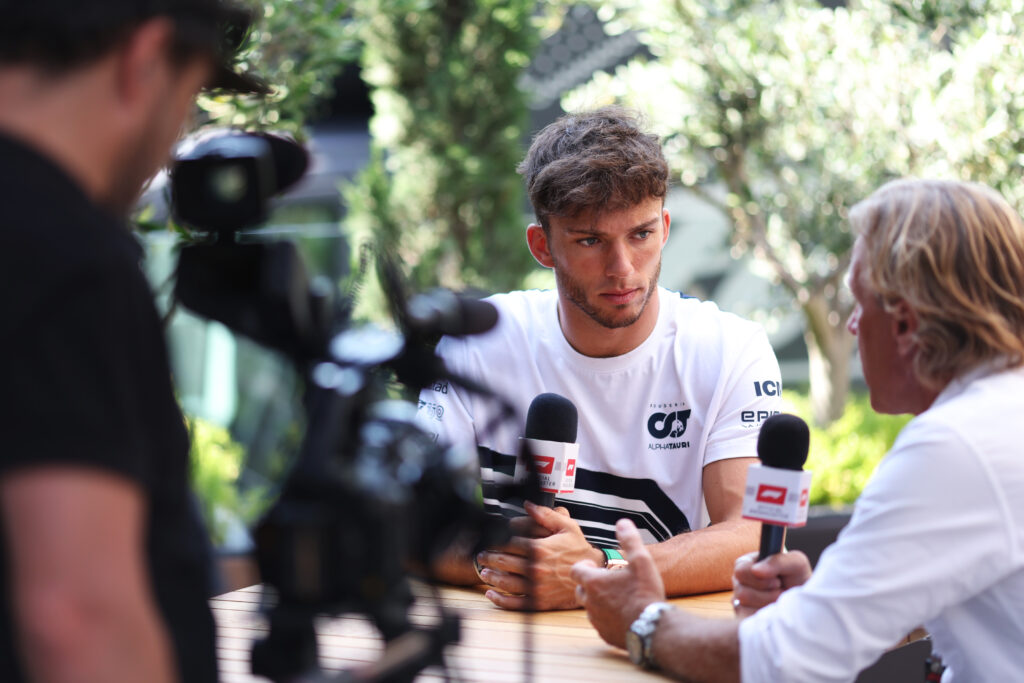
(216, 462)
(298, 47)
(441, 193)
(844, 455)
(784, 114)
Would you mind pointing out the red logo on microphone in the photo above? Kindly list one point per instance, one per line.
(570, 467)
(773, 495)
(803, 498)
(545, 464)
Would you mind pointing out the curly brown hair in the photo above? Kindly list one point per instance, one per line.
(954, 252)
(598, 160)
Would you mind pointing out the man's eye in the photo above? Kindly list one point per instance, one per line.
(643, 234)
(587, 241)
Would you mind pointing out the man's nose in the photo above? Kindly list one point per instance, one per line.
(619, 262)
(853, 321)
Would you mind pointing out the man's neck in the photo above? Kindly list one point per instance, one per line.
(590, 338)
(39, 114)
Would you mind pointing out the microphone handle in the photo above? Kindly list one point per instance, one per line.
(547, 499)
(773, 537)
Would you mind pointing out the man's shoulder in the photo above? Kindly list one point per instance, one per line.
(523, 306)
(520, 314)
(691, 316)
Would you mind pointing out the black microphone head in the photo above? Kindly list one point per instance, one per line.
(442, 311)
(783, 442)
(552, 417)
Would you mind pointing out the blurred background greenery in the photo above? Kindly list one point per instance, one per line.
(776, 117)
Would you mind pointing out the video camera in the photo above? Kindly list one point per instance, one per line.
(370, 493)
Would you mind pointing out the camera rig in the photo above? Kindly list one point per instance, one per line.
(370, 493)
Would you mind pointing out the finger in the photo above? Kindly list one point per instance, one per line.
(515, 584)
(517, 545)
(754, 599)
(791, 568)
(513, 602)
(581, 594)
(548, 518)
(583, 571)
(526, 527)
(745, 560)
(743, 576)
(563, 511)
(631, 544)
(505, 562)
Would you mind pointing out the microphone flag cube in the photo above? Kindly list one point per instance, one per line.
(777, 496)
(556, 464)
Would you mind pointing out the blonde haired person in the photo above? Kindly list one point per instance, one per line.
(937, 537)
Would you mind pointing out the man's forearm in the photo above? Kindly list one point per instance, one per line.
(696, 649)
(702, 561)
(90, 641)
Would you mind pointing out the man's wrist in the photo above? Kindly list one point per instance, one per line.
(613, 559)
(640, 636)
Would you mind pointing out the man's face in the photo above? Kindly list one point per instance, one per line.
(886, 372)
(607, 264)
(163, 122)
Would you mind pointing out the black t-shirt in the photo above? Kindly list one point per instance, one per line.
(86, 382)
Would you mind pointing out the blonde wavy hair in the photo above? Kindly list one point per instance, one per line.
(954, 252)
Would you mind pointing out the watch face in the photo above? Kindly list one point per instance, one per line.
(635, 648)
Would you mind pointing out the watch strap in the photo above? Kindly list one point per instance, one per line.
(643, 629)
(613, 559)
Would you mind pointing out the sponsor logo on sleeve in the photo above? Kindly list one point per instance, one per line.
(768, 387)
(434, 411)
(751, 419)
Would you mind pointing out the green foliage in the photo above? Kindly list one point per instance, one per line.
(298, 47)
(441, 193)
(784, 114)
(216, 462)
(844, 455)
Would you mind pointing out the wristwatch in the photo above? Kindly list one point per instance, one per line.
(613, 559)
(641, 634)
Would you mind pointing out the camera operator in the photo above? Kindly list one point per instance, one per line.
(103, 560)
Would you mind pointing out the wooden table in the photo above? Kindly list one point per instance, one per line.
(565, 647)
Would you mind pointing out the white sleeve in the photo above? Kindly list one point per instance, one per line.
(444, 410)
(749, 391)
(926, 534)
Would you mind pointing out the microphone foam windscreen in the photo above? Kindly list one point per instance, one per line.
(783, 442)
(552, 417)
(479, 317)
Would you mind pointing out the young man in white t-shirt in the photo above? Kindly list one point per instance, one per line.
(670, 391)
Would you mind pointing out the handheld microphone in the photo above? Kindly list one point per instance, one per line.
(550, 439)
(777, 489)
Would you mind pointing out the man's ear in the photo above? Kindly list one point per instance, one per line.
(666, 220)
(144, 53)
(537, 239)
(904, 327)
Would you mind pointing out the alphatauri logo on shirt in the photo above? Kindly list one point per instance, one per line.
(672, 425)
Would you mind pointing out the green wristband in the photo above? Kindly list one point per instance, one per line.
(613, 559)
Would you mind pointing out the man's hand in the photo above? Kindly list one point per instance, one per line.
(756, 584)
(615, 598)
(554, 541)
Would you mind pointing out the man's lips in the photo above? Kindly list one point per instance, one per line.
(619, 297)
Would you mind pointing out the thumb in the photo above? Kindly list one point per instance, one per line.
(551, 519)
(633, 548)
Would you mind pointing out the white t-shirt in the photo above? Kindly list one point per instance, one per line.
(937, 538)
(694, 392)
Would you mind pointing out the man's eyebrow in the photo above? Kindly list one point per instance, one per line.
(592, 231)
